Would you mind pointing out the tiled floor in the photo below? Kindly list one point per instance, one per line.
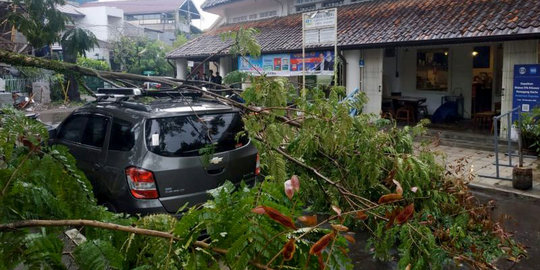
(478, 164)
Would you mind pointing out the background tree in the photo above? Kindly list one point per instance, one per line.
(181, 39)
(135, 55)
(38, 20)
(76, 41)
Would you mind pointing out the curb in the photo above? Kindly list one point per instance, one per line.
(505, 192)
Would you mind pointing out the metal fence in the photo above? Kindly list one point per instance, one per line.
(22, 85)
(510, 150)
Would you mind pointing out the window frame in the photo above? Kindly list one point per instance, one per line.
(106, 137)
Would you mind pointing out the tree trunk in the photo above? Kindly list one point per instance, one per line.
(73, 90)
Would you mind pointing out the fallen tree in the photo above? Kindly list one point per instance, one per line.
(364, 174)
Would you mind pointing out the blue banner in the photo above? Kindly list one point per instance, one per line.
(526, 88)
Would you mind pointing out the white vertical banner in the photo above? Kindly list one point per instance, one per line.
(319, 28)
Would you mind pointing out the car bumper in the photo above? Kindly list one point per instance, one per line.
(167, 205)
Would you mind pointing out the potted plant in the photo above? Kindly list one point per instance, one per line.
(528, 141)
(530, 132)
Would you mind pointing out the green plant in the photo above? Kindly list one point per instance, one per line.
(530, 129)
(92, 82)
(181, 39)
(136, 55)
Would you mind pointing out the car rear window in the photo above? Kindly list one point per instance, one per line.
(185, 135)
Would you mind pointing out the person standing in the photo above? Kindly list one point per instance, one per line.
(218, 78)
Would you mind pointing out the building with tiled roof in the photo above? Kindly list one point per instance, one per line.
(432, 49)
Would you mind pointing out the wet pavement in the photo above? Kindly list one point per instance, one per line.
(522, 219)
(55, 116)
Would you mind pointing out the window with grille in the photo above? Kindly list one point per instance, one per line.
(268, 14)
(306, 8)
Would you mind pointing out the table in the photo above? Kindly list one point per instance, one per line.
(405, 101)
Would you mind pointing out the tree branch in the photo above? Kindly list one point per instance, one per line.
(113, 227)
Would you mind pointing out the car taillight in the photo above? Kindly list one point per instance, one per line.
(258, 165)
(141, 183)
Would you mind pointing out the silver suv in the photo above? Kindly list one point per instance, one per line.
(142, 152)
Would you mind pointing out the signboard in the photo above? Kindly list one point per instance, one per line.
(149, 72)
(320, 27)
(285, 65)
(526, 88)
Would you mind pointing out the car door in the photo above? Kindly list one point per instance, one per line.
(85, 135)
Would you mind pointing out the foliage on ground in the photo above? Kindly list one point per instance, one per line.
(326, 173)
(378, 162)
(42, 182)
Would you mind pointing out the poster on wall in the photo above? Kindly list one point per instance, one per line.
(250, 64)
(284, 65)
(317, 63)
(526, 89)
(276, 64)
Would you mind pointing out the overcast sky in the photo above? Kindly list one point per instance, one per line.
(207, 19)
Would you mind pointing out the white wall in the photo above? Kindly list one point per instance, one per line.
(251, 7)
(407, 80)
(105, 22)
(352, 70)
(368, 79)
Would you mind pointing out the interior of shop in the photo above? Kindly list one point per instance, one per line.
(455, 86)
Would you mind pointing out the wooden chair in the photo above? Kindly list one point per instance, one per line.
(405, 113)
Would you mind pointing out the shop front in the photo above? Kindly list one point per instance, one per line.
(463, 85)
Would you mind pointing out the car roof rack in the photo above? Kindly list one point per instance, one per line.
(118, 92)
(123, 93)
(122, 96)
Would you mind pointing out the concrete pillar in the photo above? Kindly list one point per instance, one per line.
(514, 52)
(461, 75)
(373, 79)
(181, 68)
(42, 92)
(352, 57)
(225, 65)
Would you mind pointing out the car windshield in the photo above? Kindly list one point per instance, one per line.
(186, 135)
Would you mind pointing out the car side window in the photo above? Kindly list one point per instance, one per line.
(122, 138)
(95, 131)
(72, 129)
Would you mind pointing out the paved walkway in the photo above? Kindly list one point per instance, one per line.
(477, 163)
